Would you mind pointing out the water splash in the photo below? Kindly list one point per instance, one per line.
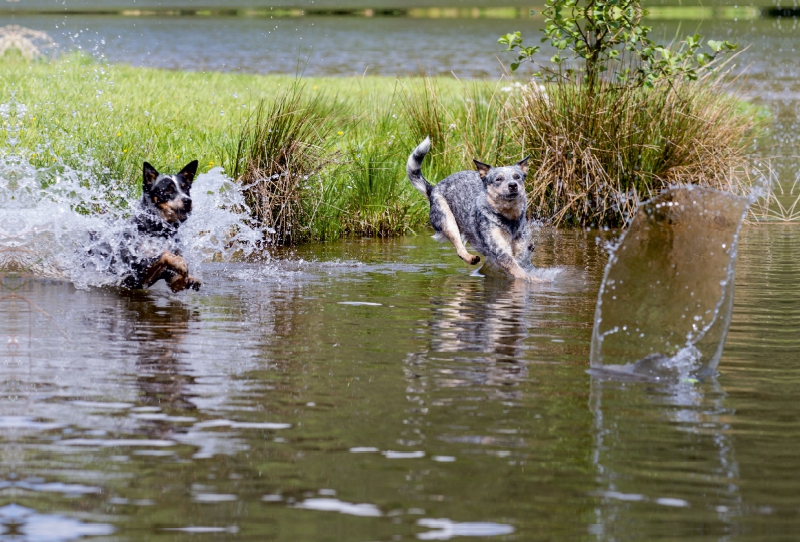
(30, 43)
(667, 294)
(57, 222)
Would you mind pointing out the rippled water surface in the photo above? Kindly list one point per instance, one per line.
(375, 390)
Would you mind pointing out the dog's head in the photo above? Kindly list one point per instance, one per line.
(168, 195)
(505, 183)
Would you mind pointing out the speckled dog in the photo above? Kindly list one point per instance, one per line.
(153, 253)
(486, 207)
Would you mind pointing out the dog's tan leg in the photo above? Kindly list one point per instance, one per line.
(513, 268)
(177, 263)
(176, 266)
(451, 231)
(522, 249)
(154, 272)
(179, 283)
(506, 253)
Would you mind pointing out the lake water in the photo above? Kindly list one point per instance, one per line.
(374, 390)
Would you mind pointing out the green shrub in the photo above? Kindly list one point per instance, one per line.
(622, 117)
(282, 146)
(595, 156)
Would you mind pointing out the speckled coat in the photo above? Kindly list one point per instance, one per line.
(486, 207)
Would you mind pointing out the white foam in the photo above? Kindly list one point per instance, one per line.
(335, 505)
(446, 529)
(64, 223)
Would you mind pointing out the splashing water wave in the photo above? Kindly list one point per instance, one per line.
(667, 295)
(60, 223)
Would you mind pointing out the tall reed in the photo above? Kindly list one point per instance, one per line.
(282, 145)
(595, 155)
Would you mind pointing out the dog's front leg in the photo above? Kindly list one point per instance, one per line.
(504, 251)
(174, 270)
(177, 273)
(178, 283)
(443, 220)
(522, 248)
(510, 265)
(155, 270)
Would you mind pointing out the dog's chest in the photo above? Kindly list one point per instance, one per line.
(507, 228)
(500, 237)
(152, 247)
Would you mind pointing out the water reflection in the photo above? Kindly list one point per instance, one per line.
(687, 430)
(24, 524)
(485, 318)
(265, 407)
(162, 326)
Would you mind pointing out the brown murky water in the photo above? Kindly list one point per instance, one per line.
(374, 390)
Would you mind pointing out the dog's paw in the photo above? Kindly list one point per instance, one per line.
(178, 283)
(193, 283)
(475, 260)
(177, 263)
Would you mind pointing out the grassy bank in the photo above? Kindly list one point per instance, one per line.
(108, 119)
(324, 157)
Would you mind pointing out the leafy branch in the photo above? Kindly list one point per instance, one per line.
(608, 35)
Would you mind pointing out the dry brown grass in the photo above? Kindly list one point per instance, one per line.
(595, 156)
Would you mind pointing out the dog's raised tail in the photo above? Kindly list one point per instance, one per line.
(414, 168)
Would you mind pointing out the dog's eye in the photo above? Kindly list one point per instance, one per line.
(516, 176)
(499, 179)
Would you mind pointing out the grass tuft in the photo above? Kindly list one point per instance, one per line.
(325, 157)
(281, 146)
(594, 157)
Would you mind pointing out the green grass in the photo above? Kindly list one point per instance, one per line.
(107, 119)
(325, 157)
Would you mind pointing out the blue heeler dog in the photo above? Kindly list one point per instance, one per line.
(153, 254)
(486, 207)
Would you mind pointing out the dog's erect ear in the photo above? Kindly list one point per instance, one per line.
(523, 164)
(150, 175)
(189, 171)
(483, 169)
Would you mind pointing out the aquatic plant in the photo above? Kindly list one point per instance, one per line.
(778, 203)
(623, 117)
(282, 145)
(595, 156)
(30, 43)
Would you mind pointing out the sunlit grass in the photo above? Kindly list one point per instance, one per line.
(342, 143)
(597, 155)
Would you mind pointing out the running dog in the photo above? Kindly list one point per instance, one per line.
(151, 253)
(486, 207)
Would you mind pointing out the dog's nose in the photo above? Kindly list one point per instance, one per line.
(187, 204)
(512, 187)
